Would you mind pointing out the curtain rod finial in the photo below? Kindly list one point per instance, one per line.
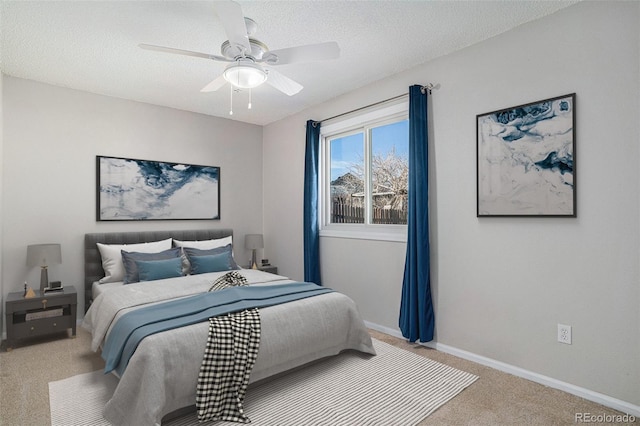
(429, 87)
(426, 88)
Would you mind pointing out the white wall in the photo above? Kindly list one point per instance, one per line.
(501, 285)
(1, 179)
(51, 138)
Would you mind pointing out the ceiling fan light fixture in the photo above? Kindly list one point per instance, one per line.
(245, 74)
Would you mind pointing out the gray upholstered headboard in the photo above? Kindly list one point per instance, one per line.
(93, 262)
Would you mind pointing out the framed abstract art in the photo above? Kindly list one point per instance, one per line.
(129, 189)
(526, 159)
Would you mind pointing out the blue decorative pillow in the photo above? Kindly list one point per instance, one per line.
(129, 260)
(211, 263)
(151, 270)
(225, 253)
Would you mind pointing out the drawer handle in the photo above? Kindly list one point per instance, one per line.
(44, 303)
(55, 325)
(32, 328)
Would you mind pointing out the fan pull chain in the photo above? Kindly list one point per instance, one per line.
(231, 99)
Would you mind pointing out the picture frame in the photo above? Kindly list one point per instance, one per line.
(132, 189)
(526, 160)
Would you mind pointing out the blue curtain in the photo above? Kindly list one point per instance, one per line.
(417, 318)
(311, 221)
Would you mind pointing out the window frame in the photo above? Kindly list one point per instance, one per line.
(362, 122)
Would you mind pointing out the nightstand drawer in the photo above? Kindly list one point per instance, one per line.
(41, 327)
(43, 302)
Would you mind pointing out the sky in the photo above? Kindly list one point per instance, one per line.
(350, 149)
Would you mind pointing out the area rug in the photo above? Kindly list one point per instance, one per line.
(396, 387)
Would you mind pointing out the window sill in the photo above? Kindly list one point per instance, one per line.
(399, 235)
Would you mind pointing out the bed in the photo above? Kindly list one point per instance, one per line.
(162, 373)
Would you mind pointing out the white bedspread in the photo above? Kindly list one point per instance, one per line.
(161, 376)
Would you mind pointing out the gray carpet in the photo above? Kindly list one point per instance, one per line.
(394, 387)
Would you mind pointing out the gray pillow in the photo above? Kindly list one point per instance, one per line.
(131, 274)
(191, 252)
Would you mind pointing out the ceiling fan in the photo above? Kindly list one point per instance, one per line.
(249, 59)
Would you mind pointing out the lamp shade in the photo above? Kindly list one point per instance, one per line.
(245, 74)
(43, 255)
(253, 241)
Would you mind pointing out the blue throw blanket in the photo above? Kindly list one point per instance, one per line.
(134, 326)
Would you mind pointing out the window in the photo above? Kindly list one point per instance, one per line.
(364, 178)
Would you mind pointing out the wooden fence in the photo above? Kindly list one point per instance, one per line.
(343, 211)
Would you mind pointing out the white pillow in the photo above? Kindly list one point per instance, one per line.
(112, 257)
(205, 244)
(201, 245)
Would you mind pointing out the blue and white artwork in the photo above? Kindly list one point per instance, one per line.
(150, 190)
(526, 160)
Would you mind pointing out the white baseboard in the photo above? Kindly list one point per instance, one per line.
(607, 401)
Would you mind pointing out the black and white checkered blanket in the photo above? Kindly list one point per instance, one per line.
(231, 351)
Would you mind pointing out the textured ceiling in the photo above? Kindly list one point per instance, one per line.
(93, 45)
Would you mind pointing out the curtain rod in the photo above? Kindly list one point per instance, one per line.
(424, 89)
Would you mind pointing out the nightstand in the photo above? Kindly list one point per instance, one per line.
(270, 268)
(42, 315)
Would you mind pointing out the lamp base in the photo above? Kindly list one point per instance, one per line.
(44, 279)
(254, 265)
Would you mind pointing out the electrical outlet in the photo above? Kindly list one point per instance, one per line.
(564, 334)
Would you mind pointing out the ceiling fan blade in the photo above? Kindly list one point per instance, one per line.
(182, 52)
(282, 83)
(232, 18)
(306, 53)
(214, 85)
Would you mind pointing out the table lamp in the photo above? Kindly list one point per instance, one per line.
(253, 242)
(43, 255)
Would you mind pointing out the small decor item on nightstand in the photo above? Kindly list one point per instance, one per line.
(265, 262)
(29, 293)
(253, 242)
(43, 255)
(54, 286)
